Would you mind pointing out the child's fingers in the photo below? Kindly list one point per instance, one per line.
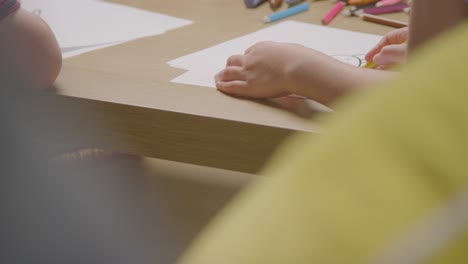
(371, 53)
(397, 36)
(233, 87)
(231, 73)
(235, 60)
(390, 54)
(386, 40)
(251, 48)
(258, 45)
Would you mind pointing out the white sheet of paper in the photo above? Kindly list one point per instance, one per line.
(79, 23)
(345, 45)
(75, 51)
(199, 78)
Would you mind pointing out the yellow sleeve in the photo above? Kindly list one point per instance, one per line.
(389, 168)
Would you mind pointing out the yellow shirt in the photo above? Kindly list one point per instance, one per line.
(386, 183)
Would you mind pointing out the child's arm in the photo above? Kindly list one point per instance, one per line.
(270, 69)
(29, 53)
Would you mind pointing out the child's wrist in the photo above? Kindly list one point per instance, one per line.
(292, 73)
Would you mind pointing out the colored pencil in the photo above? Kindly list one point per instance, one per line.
(360, 2)
(286, 13)
(383, 21)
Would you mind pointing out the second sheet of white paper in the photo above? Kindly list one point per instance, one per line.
(85, 25)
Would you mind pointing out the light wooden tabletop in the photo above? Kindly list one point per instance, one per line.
(130, 86)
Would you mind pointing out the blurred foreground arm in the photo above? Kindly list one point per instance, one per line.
(383, 184)
(29, 53)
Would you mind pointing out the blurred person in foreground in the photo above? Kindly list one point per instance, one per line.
(56, 210)
(29, 53)
(387, 182)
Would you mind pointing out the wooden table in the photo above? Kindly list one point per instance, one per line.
(129, 86)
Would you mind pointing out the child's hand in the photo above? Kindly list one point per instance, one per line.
(262, 72)
(269, 70)
(390, 50)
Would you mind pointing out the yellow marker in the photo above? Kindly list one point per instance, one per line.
(371, 64)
